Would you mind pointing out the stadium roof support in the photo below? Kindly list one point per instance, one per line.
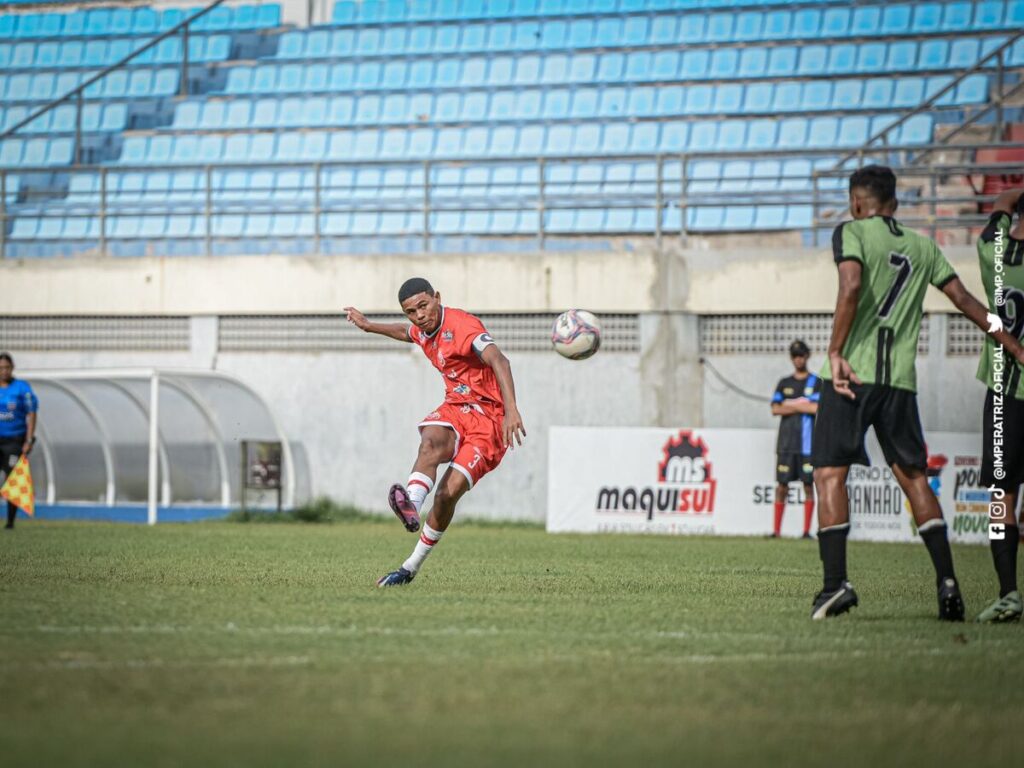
(164, 434)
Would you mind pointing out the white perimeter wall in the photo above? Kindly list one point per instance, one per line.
(355, 412)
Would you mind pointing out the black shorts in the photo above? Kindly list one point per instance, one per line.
(841, 424)
(10, 452)
(791, 467)
(1013, 444)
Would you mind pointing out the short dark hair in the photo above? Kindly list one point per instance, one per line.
(7, 356)
(879, 180)
(413, 286)
(799, 347)
(1020, 206)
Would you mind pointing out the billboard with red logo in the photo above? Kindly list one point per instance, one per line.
(722, 481)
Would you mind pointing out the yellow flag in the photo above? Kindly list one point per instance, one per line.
(18, 488)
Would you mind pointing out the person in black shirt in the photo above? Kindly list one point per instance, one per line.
(796, 402)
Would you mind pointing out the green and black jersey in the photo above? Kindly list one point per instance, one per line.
(898, 265)
(995, 244)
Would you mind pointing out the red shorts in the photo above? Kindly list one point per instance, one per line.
(479, 445)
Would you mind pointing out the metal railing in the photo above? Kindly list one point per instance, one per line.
(1001, 97)
(657, 196)
(78, 94)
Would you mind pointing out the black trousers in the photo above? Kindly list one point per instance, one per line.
(10, 452)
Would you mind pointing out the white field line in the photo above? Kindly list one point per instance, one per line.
(237, 663)
(353, 631)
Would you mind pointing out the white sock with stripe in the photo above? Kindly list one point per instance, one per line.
(428, 539)
(418, 487)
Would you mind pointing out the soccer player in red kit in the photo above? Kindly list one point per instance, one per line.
(472, 429)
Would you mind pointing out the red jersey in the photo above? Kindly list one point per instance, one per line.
(455, 349)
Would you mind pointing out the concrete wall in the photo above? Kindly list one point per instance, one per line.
(355, 412)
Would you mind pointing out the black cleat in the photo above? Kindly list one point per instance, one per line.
(834, 603)
(398, 578)
(404, 509)
(951, 604)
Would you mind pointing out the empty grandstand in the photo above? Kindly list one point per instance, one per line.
(457, 125)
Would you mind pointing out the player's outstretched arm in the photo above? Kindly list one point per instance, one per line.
(978, 314)
(1007, 201)
(397, 331)
(846, 311)
(513, 430)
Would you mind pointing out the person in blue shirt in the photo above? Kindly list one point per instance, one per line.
(796, 402)
(18, 409)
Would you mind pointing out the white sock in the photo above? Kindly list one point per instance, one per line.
(428, 538)
(417, 488)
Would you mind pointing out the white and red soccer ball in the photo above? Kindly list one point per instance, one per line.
(576, 335)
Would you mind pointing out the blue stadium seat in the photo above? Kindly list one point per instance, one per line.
(866, 21)
(719, 27)
(1014, 14)
(927, 18)
(732, 135)
(753, 62)
(145, 21)
(777, 25)
(770, 217)
(664, 31)
(25, 228)
(973, 89)
(724, 63)
(957, 17)
(705, 219)
(792, 133)
(669, 101)
(674, 137)
(817, 96)
(878, 93)
(843, 59)
(917, 130)
(902, 57)
(291, 78)
(848, 94)
(908, 92)
(934, 54)
(822, 133)
(781, 62)
(699, 99)
(806, 23)
(896, 19)
(871, 57)
(762, 134)
(835, 22)
(963, 53)
(1016, 57)
(788, 97)
(703, 136)
(728, 99)
(813, 60)
(695, 64)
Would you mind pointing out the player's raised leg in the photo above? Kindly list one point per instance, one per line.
(437, 446)
(837, 595)
(928, 515)
(450, 489)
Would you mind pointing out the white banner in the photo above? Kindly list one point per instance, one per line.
(721, 481)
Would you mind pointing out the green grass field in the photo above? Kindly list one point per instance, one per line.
(268, 645)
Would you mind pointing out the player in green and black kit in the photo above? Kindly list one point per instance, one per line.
(870, 379)
(1001, 248)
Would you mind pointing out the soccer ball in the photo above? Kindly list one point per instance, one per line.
(576, 335)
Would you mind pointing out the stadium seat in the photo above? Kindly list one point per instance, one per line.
(957, 17)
